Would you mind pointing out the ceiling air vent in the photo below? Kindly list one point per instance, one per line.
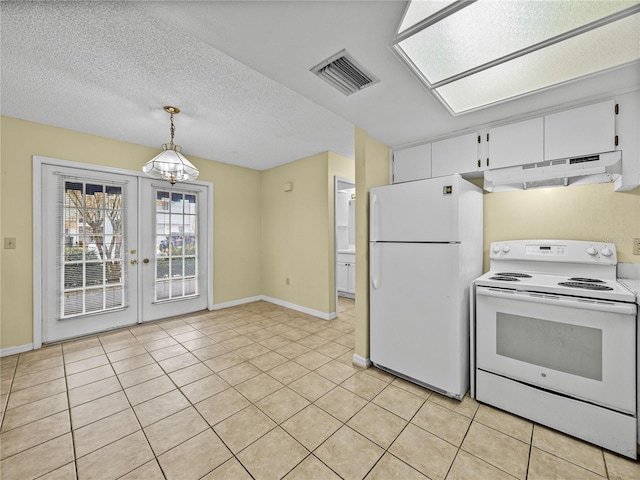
(344, 73)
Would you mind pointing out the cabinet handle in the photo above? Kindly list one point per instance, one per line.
(487, 161)
(479, 163)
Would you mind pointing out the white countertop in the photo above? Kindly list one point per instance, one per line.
(632, 284)
(629, 276)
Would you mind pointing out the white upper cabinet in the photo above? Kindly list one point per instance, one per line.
(580, 131)
(412, 164)
(516, 144)
(628, 131)
(455, 155)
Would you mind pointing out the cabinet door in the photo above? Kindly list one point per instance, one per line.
(516, 144)
(580, 131)
(342, 276)
(454, 155)
(352, 278)
(412, 164)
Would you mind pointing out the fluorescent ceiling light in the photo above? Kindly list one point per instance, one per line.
(473, 54)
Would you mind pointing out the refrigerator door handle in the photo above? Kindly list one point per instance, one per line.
(374, 276)
(374, 201)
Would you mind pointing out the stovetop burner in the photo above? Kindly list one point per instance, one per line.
(585, 285)
(513, 274)
(555, 267)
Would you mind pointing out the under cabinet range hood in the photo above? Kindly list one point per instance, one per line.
(597, 168)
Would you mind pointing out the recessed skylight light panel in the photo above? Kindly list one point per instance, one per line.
(494, 50)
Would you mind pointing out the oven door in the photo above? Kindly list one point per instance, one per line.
(582, 348)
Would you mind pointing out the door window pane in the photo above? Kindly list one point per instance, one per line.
(91, 246)
(177, 250)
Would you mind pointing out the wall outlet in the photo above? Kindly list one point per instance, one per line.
(9, 243)
(636, 246)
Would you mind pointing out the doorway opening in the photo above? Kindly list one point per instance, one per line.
(345, 249)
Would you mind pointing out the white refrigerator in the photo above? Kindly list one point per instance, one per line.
(425, 250)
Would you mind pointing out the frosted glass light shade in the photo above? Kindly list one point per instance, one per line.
(170, 165)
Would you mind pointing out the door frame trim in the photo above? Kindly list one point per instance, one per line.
(37, 287)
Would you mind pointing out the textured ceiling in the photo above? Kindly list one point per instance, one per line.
(238, 70)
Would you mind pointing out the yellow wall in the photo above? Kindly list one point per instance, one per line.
(581, 212)
(237, 227)
(297, 231)
(372, 169)
(262, 235)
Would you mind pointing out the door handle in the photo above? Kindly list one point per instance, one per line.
(133, 261)
(146, 260)
(374, 276)
(372, 232)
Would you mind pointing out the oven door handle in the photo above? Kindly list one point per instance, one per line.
(550, 299)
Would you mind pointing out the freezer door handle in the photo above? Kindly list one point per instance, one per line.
(374, 276)
(372, 232)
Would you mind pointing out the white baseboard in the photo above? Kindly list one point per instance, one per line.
(298, 308)
(5, 352)
(361, 362)
(235, 303)
(275, 301)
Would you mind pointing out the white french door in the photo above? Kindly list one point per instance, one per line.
(118, 249)
(174, 257)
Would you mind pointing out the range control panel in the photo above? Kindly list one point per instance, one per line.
(569, 251)
(546, 250)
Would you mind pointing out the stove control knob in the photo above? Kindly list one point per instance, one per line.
(592, 251)
(506, 248)
(606, 251)
(496, 248)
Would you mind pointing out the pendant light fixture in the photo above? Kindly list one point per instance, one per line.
(170, 164)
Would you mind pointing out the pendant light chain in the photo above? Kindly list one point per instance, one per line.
(173, 127)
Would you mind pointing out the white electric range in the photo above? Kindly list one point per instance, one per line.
(554, 339)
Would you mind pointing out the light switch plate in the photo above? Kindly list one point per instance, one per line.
(9, 243)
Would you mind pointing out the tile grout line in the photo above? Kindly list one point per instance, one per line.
(134, 413)
(73, 437)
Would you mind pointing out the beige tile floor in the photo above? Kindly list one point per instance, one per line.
(257, 391)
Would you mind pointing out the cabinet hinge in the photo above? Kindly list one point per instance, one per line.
(615, 140)
(617, 109)
(487, 137)
(479, 139)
